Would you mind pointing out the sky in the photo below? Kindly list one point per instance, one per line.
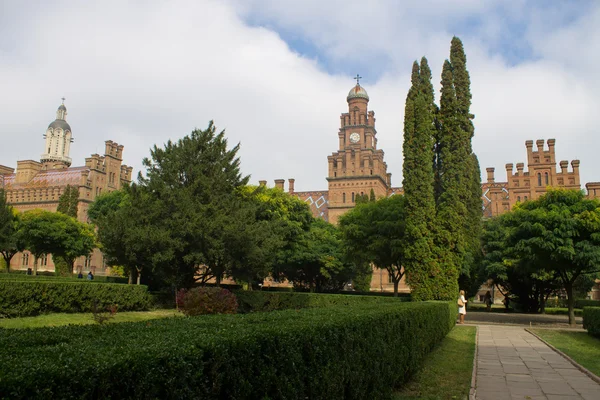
(274, 74)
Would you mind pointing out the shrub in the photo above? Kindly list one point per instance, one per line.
(206, 300)
(591, 320)
(340, 352)
(587, 303)
(21, 299)
(253, 301)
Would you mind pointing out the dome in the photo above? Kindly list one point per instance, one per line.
(62, 107)
(59, 123)
(357, 92)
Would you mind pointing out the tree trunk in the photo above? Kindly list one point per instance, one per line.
(7, 261)
(34, 265)
(249, 284)
(218, 279)
(130, 281)
(570, 302)
(396, 282)
(139, 277)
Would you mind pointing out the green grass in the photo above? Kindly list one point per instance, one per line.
(60, 319)
(446, 373)
(580, 346)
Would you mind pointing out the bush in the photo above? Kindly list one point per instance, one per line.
(22, 299)
(253, 301)
(206, 300)
(341, 352)
(51, 276)
(591, 320)
(587, 303)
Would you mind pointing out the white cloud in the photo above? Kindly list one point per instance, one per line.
(142, 74)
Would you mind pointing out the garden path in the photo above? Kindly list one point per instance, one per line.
(513, 364)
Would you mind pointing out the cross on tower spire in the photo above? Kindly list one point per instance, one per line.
(357, 77)
(63, 100)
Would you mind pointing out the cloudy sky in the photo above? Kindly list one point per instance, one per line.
(275, 74)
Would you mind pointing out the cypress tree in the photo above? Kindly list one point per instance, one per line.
(472, 191)
(451, 211)
(68, 201)
(419, 130)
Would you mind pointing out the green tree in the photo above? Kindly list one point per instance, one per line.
(268, 222)
(43, 232)
(127, 233)
(559, 233)
(524, 283)
(192, 181)
(9, 218)
(68, 201)
(375, 233)
(472, 193)
(316, 260)
(420, 261)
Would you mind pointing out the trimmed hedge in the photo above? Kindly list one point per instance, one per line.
(591, 320)
(587, 303)
(18, 276)
(26, 298)
(253, 301)
(342, 352)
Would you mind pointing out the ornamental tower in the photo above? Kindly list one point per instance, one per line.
(358, 166)
(58, 141)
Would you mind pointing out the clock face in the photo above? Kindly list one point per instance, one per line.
(354, 137)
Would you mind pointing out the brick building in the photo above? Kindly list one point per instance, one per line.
(39, 185)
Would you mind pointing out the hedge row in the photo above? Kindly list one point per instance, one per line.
(591, 320)
(343, 352)
(24, 277)
(21, 299)
(252, 301)
(587, 303)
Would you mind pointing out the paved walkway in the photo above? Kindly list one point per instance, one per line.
(514, 364)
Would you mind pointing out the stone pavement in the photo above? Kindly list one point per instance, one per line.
(514, 364)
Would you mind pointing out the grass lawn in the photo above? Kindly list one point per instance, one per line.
(446, 373)
(580, 346)
(60, 319)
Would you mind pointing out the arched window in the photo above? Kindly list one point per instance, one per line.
(539, 179)
(519, 199)
(525, 198)
(546, 178)
(343, 197)
(353, 197)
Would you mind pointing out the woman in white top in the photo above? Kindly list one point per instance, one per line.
(462, 310)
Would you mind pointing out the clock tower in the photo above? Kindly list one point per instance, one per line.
(358, 166)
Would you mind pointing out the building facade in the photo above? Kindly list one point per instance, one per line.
(39, 185)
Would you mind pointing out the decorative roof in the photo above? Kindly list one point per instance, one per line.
(357, 92)
(50, 178)
(60, 123)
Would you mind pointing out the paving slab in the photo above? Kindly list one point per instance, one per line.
(513, 364)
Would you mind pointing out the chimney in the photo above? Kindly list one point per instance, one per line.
(291, 185)
(551, 145)
(279, 183)
(564, 164)
(520, 167)
(540, 145)
(575, 165)
(509, 170)
(262, 183)
(490, 174)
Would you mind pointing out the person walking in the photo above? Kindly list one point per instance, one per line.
(488, 301)
(462, 307)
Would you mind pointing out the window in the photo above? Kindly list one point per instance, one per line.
(390, 276)
(343, 197)
(353, 197)
(25, 259)
(546, 178)
(44, 260)
(539, 179)
(519, 199)
(525, 198)
(88, 261)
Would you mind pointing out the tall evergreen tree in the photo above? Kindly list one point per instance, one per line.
(68, 201)
(419, 129)
(472, 192)
(451, 210)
